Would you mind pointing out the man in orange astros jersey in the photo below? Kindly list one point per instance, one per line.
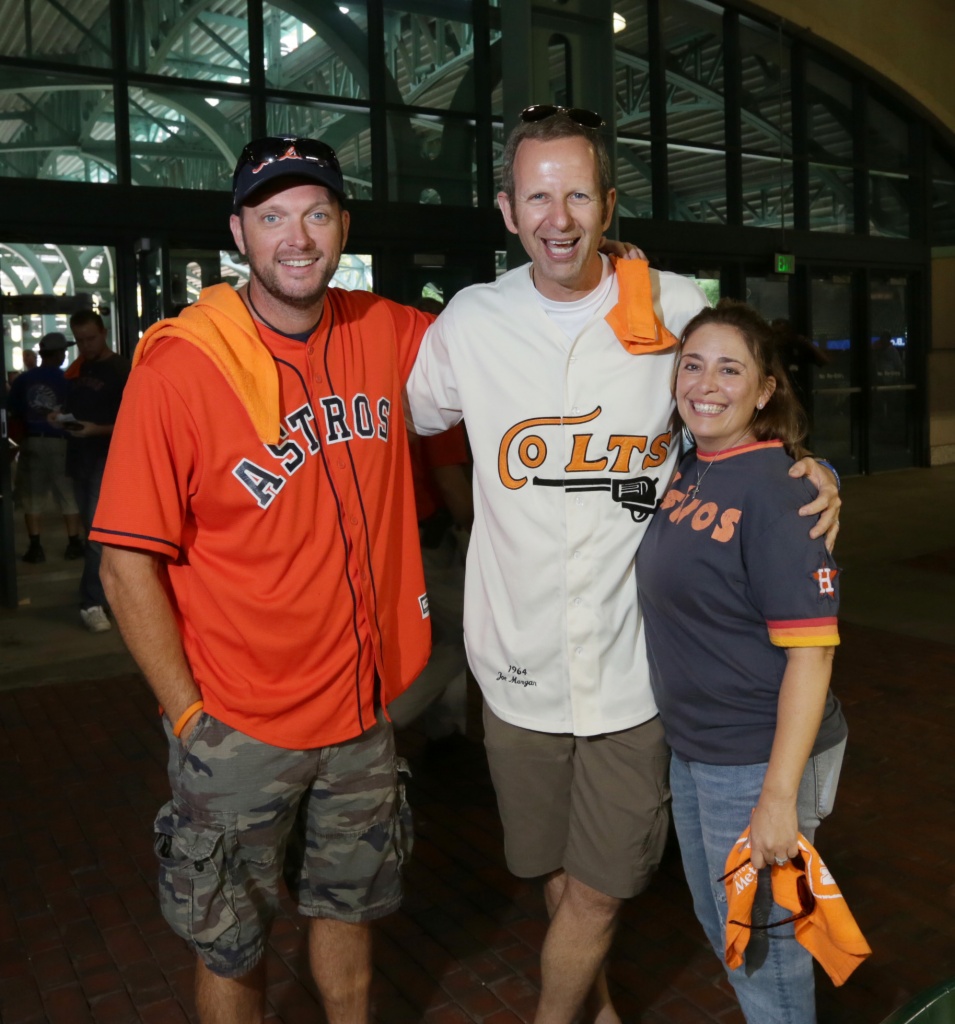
(261, 556)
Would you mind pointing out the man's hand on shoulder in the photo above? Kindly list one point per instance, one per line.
(826, 504)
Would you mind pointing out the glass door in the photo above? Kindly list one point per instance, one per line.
(837, 380)
(893, 392)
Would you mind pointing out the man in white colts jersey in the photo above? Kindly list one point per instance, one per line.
(561, 370)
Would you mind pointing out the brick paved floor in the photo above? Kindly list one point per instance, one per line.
(81, 938)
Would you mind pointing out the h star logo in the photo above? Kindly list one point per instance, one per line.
(825, 577)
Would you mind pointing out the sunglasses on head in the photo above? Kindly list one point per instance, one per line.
(541, 111)
(807, 901)
(273, 148)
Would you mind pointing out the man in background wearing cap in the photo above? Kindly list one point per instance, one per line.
(96, 381)
(261, 557)
(34, 395)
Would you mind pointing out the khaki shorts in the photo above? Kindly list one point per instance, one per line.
(332, 821)
(596, 806)
(42, 472)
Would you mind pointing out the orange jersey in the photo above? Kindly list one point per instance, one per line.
(293, 567)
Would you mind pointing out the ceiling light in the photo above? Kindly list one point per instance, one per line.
(619, 22)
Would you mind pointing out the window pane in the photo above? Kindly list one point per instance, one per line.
(324, 56)
(497, 152)
(767, 192)
(830, 199)
(889, 196)
(56, 126)
(31, 272)
(829, 99)
(766, 94)
(697, 185)
(429, 54)
(347, 132)
(634, 178)
(888, 139)
(835, 383)
(631, 68)
(431, 161)
(181, 39)
(943, 199)
(769, 294)
(707, 278)
(693, 41)
(72, 33)
(497, 88)
(893, 401)
(181, 139)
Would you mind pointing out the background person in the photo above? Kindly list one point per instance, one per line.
(41, 468)
(95, 388)
(740, 606)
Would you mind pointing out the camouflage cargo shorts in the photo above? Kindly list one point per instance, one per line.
(332, 821)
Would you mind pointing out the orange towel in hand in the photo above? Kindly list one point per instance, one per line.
(804, 886)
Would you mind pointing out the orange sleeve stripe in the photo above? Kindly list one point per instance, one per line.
(804, 633)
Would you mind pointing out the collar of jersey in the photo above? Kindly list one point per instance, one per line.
(742, 449)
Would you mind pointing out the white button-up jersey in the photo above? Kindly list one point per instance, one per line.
(572, 448)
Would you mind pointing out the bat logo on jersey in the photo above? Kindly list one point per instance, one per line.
(638, 495)
(303, 434)
(525, 445)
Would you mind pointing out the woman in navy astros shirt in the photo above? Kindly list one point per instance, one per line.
(740, 608)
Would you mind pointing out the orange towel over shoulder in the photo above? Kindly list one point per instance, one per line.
(829, 931)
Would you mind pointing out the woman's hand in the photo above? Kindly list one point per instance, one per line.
(622, 250)
(773, 832)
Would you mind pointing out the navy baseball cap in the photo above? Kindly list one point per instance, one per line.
(54, 342)
(264, 161)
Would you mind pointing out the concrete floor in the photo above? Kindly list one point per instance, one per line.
(82, 765)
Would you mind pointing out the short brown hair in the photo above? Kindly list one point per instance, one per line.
(782, 418)
(558, 126)
(86, 316)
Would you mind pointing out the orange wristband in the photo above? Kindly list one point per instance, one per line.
(185, 716)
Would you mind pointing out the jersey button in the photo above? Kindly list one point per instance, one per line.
(577, 554)
(354, 520)
(579, 650)
(318, 378)
(341, 463)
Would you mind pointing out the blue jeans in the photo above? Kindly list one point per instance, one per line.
(86, 486)
(711, 807)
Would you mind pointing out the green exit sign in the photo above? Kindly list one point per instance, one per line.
(785, 263)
